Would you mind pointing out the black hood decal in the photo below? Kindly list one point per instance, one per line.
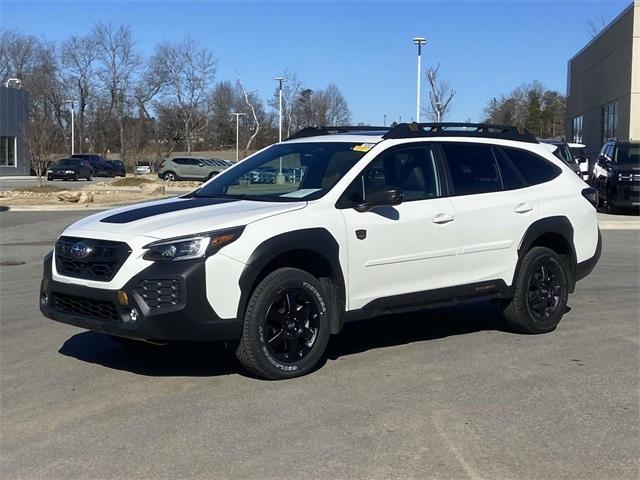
(153, 210)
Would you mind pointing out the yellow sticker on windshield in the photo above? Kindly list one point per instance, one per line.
(365, 147)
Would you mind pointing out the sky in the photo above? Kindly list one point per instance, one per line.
(484, 49)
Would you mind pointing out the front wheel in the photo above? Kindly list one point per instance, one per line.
(541, 292)
(286, 325)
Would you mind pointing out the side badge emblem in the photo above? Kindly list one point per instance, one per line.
(361, 234)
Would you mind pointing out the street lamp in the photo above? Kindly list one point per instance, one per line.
(280, 176)
(17, 81)
(238, 115)
(419, 41)
(73, 140)
(438, 114)
(385, 120)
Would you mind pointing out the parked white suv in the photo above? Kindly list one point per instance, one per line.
(382, 220)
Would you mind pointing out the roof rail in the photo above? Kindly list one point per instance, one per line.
(317, 131)
(480, 130)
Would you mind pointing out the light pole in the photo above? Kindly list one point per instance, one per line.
(17, 81)
(419, 41)
(438, 114)
(385, 120)
(73, 138)
(280, 176)
(238, 115)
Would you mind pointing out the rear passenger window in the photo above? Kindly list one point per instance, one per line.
(532, 168)
(472, 167)
(509, 174)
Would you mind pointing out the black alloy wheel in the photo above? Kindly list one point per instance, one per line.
(544, 291)
(291, 325)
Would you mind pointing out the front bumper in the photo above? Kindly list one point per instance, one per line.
(61, 176)
(625, 195)
(189, 317)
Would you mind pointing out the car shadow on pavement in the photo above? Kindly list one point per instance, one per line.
(214, 359)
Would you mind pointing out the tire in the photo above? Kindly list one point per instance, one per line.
(75, 177)
(49, 179)
(541, 292)
(169, 177)
(211, 175)
(89, 177)
(611, 208)
(276, 345)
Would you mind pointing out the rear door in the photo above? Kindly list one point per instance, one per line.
(399, 253)
(494, 210)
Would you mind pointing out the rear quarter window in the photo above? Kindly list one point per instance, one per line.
(533, 168)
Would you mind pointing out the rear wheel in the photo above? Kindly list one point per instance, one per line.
(89, 177)
(286, 325)
(75, 177)
(169, 176)
(541, 292)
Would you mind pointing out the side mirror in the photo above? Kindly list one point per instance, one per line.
(582, 159)
(380, 195)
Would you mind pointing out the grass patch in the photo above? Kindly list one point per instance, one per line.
(130, 182)
(39, 189)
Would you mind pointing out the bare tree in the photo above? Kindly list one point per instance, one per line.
(118, 64)
(290, 91)
(17, 54)
(594, 27)
(338, 112)
(79, 55)
(253, 113)
(440, 95)
(188, 70)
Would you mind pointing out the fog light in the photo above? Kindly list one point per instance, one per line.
(44, 300)
(131, 316)
(123, 298)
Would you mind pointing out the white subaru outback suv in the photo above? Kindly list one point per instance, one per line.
(381, 220)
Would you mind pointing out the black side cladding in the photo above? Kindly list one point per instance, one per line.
(168, 207)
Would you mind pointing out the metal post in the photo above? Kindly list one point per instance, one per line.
(280, 177)
(419, 41)
(237, 114)
(385, 120)
(73, 138)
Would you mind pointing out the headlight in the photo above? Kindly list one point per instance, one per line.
(69, 171)
(49, 171)
(192, 247)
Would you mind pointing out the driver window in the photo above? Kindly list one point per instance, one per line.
(412, 169)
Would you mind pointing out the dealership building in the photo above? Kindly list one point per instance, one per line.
(14, 157)
(603, 85)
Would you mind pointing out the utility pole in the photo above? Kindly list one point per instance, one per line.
(280, 176)
(73, 138)
(238, 115)
(419, 41)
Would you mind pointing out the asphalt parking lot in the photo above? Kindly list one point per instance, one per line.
(443, 393)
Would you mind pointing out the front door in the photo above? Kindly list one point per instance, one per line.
(402, 250)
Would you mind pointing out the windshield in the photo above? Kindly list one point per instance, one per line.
(628, 154)
(287, 172)
(66, 163)
(564, 153)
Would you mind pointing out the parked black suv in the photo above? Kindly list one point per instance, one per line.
(100, 167)
(70, 169)
(616, 174)
(118, 166)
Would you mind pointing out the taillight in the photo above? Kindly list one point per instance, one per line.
(591, 194)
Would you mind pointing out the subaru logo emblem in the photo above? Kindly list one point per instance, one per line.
(81, 250)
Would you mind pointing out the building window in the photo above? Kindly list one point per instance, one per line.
(577, 129)
(7, 151)
(609, 121)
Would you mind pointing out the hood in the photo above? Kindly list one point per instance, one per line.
(178, 216)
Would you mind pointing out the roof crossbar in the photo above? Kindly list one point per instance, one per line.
(478, 130)
(318, 131)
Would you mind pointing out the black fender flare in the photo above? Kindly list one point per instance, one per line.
(317, 240)
(560, 225)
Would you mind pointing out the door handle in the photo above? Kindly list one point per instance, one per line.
(442, 218)
(523, 208)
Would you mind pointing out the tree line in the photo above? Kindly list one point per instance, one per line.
(148, 106)
(531, 106)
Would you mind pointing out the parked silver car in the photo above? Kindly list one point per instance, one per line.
(190, 168)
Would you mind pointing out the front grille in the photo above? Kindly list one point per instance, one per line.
(102, 261)
(85, 307)
(159, 293)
